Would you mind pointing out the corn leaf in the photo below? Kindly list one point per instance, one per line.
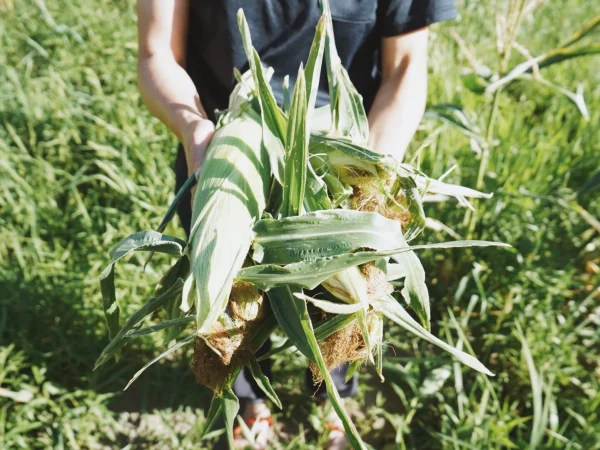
(263, 382)
(165, 324)
(231, 406)
(296, 151)
(340, 192)
(411, 200)
(180, 269)
(216, 407)
(142, 241)
(348, 112)
(187, 186)
(294, 320)
(390, 308)
(350, 286)
(315, 195)
(149, 307)
(309, 274)
(322, 233)
(230, 196)
(352, 369)
(176, 346)
(331, 307)
(314, 64)
(287, 98)
(345, 146)
(273, 119)
(415, 290)
(146, 241)
(395, 272)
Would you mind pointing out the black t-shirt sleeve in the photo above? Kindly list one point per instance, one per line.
(396, 17)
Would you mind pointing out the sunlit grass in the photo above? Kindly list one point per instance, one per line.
(82, 164)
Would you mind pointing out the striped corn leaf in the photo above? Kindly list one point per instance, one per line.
(309, 274)
(322, 233)
(274, 124)
(296, 151)
(230, 196)
(142, 241)
(348, 113)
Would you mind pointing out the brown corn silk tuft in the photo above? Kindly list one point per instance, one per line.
(377, 284)
(246, 311)
(344, 346)
(369, 197)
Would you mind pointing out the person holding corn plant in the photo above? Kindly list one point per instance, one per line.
(188, 50)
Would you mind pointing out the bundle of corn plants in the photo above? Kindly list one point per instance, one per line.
(289, 199)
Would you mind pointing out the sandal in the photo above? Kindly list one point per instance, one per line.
(254, 432)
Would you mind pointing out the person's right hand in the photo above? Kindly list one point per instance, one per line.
(195, 143)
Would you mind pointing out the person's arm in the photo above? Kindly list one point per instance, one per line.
(400, 101)
(165, 86)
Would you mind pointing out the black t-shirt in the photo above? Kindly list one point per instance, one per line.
(282, 32)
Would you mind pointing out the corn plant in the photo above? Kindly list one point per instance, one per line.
(289, 199)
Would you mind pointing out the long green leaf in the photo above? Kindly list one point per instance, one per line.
(164, 325)
(273, 119)
(412, 202)
(145, 241)
(390, 308)
(216, 407)
(415, 290)
(323, 233)
(231, 406)
(109, 300)
(263, 382)
(296, 151)
(309, 274)
(316, 197)
(287, 309)
(314, 64)
(187, 340)
(348, 113)
(149, 307)
(293, 318)
(331, 307)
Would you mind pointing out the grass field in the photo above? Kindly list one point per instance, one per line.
(83, 164)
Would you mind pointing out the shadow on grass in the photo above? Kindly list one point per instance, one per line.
(55, 328)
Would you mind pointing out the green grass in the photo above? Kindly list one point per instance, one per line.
(82, 164)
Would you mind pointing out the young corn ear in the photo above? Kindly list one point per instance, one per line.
(230, 196)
